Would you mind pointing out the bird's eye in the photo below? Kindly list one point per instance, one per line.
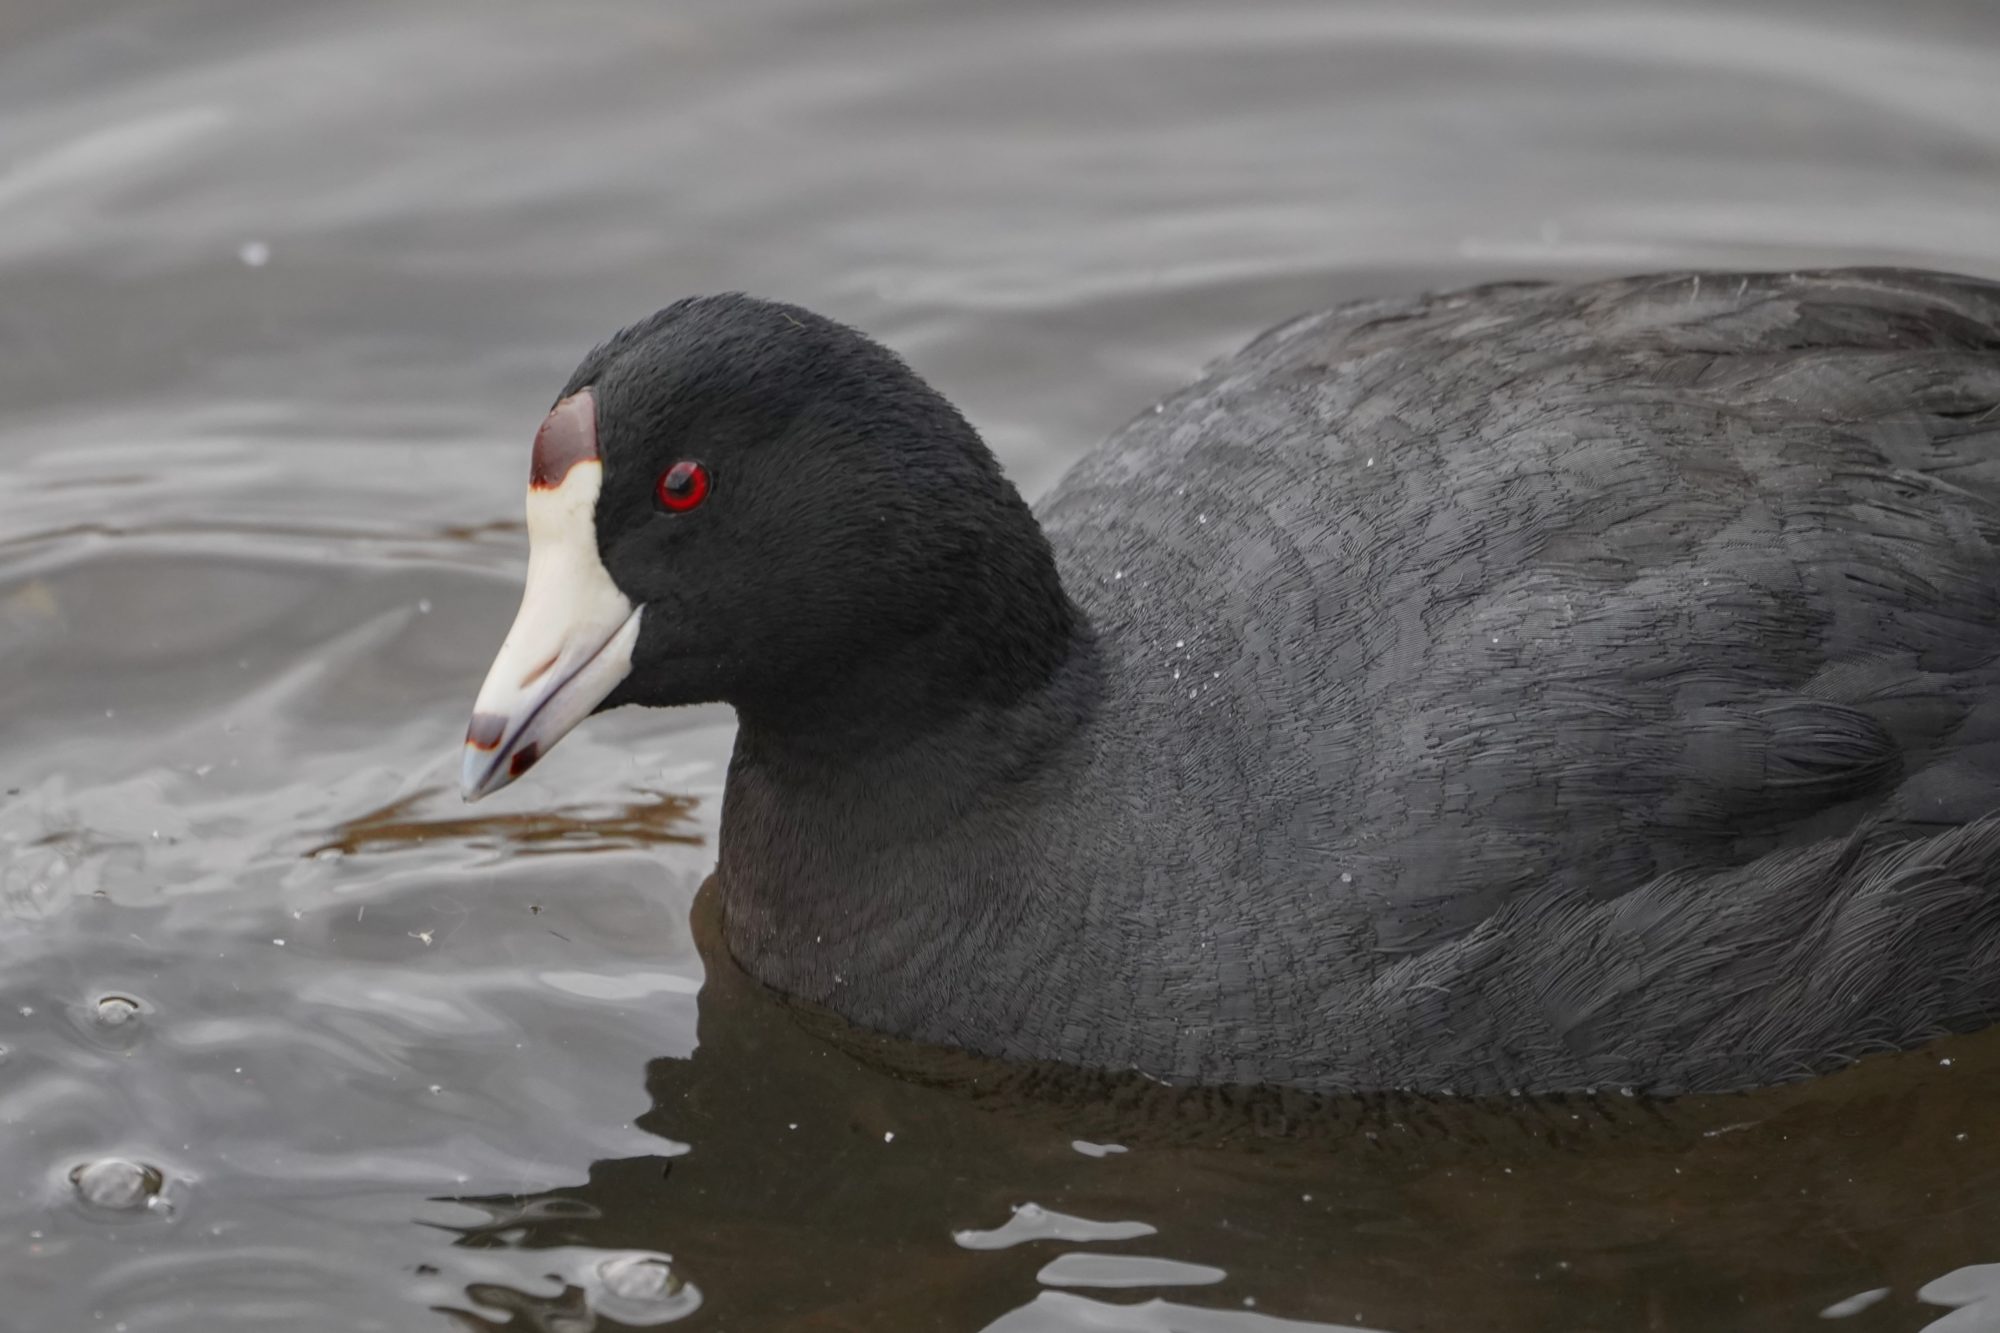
(683, 486)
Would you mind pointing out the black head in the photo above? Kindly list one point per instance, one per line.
(802, 526)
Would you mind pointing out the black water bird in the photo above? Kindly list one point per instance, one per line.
(1532, 687)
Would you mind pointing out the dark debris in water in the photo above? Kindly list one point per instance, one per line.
(658, 818)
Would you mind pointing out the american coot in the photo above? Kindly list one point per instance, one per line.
(1532, 687)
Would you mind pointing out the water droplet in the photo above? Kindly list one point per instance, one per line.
(642, 1289)
(639, 1277)
(1369, 463)
(1117, 574)
(1180, 643)
(115, 1011)
(1346, 877)
(117, 1184)
(889, 1136)
(279, 943)
(423, 606)
(1201, 518)
(254, 254)
(27, 1011)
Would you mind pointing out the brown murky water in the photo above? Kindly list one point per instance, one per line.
(294, 1040)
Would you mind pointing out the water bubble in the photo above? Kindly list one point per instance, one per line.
(642, 1289)
(115, 1011)
(423, 606)
(254, 254)
(118, 1185)
(640, 1277)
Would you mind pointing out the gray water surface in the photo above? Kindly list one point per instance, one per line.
(293, 1039)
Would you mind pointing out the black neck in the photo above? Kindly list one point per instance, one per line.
(999, 630)
(878, 849)
(894, 883)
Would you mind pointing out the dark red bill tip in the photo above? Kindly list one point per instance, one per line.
(485, 731)
(524, 759)
(568, 436)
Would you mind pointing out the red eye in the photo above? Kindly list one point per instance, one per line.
(683, 486)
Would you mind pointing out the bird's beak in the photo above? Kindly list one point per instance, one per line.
(573, 636)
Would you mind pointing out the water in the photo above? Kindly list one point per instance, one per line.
(293, 1039)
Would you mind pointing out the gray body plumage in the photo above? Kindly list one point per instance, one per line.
(1525, 688)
